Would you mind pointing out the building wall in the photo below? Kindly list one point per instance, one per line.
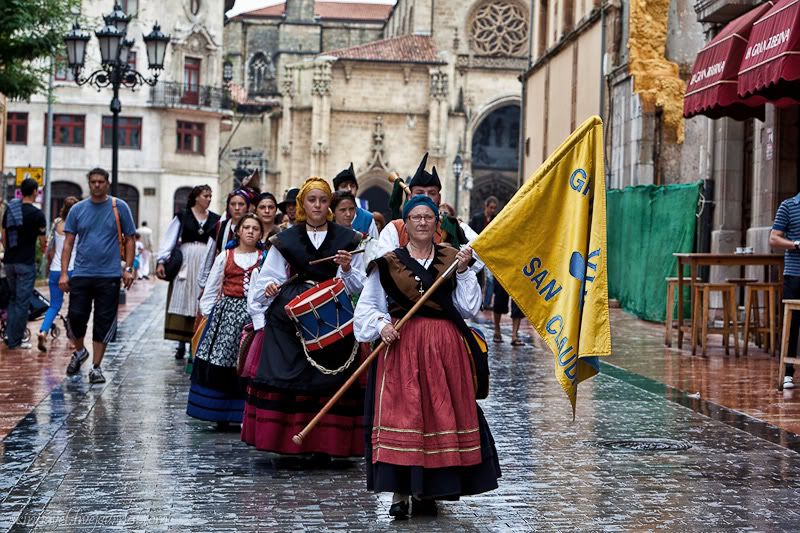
(156, 165)
(562, 90)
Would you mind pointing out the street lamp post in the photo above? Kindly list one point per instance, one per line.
(115, 72)
(458, 166)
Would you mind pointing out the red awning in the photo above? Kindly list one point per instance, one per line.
(771, 65)
(711, 91)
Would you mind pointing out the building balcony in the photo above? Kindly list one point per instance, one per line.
(186, 96)
(722, 11)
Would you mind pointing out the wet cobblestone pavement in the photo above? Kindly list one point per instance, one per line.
(124, 457)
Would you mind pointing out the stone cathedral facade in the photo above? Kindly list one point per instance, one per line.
(321, 84)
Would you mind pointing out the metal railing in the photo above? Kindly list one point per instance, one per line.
(179, 95)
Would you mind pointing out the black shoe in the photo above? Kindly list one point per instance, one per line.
(319, 460)
(76, 361)
(180, 353)
(424, 507)
(399, 510)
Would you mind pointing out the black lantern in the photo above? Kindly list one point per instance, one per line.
(118, 18)
(109, 38)
(115, 72)
(125, 51)
(156, 43)
(227, 71)
(76, 41)
(458, 165)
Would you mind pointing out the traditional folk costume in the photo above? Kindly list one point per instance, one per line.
(426, 435)
(449, 230)
(222, 237)
(216, 394)
(288, 389)
(191, 235)
(363, 222)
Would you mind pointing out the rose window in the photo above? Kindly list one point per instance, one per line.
(499, 28)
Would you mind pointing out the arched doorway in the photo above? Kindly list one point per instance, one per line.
(180, 198)
(59, 191)
(131, 197)
(374, 187)
(495, 157)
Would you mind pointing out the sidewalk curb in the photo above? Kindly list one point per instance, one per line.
(720, 413)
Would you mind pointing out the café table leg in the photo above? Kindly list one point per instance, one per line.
(680, 303)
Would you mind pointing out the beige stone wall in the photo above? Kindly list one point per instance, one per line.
(561, 94)
(375, 88)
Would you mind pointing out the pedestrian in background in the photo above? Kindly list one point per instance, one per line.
(479, 223)
(54, 250)
(23, 225)
(785, 235)
(189, 231)
(101, 228)
(146, 235)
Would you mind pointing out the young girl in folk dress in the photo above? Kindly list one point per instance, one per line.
(216, 394)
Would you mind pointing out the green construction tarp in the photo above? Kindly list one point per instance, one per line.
(646, 225)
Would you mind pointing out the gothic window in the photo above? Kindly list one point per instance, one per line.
(262, 75)
(499, 28)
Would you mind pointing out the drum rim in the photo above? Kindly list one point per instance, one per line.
(298, 305)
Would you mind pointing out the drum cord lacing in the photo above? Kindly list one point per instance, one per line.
(328, 371)
(311, 360)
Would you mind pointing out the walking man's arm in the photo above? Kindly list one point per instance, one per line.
(66, 254)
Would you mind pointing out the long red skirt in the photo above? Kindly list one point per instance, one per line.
(272, 417)
(425, 412)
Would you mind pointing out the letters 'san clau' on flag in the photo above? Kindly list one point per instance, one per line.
(547, 248)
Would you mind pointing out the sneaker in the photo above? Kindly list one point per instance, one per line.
(24, 345)
(42, 342)
(96, 376)
(788, 382)
(76, 361)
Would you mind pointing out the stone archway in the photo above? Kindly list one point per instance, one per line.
(59, 192)
(374, 187)
(130, 195)
(495, 155)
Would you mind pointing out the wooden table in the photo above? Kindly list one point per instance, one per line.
(695, 260)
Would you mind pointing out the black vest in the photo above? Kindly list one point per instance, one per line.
(296, 247)
(190, 228)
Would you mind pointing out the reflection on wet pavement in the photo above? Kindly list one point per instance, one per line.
(124, 457)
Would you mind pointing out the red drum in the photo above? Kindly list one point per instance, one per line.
(323, 314)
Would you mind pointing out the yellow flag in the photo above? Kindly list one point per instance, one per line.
(547, 248)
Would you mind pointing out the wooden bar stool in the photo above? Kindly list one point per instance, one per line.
(701, 298)
(671, 323)
(788, 307)
(752, 320)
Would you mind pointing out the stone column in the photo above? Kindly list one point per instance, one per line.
(728, 175)
(437, 128)
(287, 92)
(320, 117)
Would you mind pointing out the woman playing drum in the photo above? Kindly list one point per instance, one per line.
(292, 383)
(426, 436)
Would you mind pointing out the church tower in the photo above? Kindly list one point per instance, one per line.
(300, 10)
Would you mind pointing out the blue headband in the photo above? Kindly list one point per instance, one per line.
(420, 199)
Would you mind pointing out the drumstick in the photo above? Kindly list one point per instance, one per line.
(394, 177)
(298, 439)
(331, 258)
(288, 281)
